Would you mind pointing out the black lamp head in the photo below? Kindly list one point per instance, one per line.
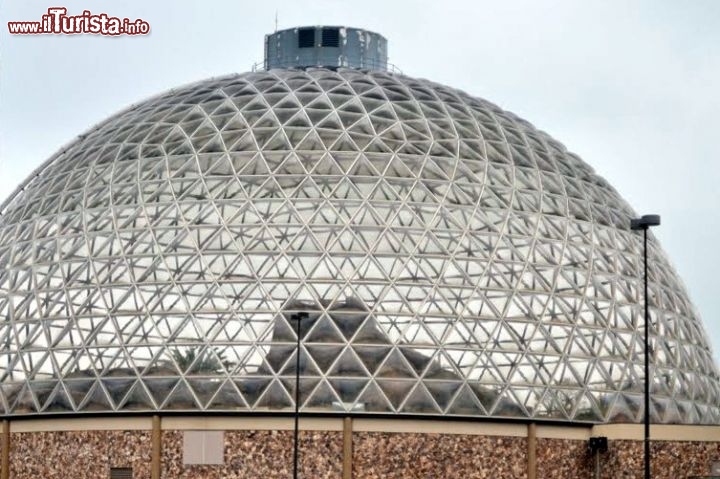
(644, 222)
(598, 444)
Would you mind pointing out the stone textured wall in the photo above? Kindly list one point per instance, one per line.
(268, 454)
(569, 459)
(248, 454)
(563, 459)
(679, 459)
(670, 460)
(396, 456)
(78, 454)
(255, 454)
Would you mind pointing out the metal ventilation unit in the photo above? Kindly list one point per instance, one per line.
(121, 473)
(325, 46)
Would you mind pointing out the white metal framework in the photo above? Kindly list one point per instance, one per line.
(453, 260)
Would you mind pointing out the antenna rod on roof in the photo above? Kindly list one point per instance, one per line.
(276, 20)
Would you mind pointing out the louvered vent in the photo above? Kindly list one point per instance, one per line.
(306, 38)
(330, 37)
(330, 46)
(121, 473)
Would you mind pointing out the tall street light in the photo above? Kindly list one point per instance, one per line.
(644, 223)
(298, 317)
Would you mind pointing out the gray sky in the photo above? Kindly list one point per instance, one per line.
(631, 86)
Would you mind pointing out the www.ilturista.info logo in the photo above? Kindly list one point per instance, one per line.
(58, 22)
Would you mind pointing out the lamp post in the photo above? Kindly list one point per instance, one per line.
(297, 317)
(644, 223)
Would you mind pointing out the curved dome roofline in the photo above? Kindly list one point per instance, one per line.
(97, 126)
(459, 263)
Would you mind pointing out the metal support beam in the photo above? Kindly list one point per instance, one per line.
(156, 464)
(532, 451)
(347, 448)
(296, 440)
(5, 469)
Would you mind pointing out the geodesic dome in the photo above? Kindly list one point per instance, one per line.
(452, 260)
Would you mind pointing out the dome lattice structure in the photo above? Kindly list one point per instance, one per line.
(452, 259)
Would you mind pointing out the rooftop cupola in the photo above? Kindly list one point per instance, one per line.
(326, 46)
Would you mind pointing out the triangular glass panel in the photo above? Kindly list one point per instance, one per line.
(326, 166)
(204, 389)
(59, 401)
(348, 365)
(307, 385)
(488, 396)
(137, 398)
(396, 390)
(395, 366)
(78, 389)
(117, 388)
(282, 331)
(418, 359)
(160, 388)
(42, 391)
(465, 403)
(20, 399)
(370, 333)
(275, 397)
(348, 389)
(372, 399)
(96, 400)
(420, 401)
(347, 320)
(442, 391)
(588, 409)
(321, 398)
(277, 357)
(180, 398)
(227, 398)
(307, 365)
(208, 363)
(252, 388)
(324, 331)
(324, 355)
(371, 356)
(442, 367)
(310, 142)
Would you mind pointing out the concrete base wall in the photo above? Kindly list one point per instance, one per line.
(569, 459)
(78, 454)
(390, 449)
(255, 454)
(379, 455)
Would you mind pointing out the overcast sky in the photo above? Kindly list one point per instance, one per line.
(633, 87)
